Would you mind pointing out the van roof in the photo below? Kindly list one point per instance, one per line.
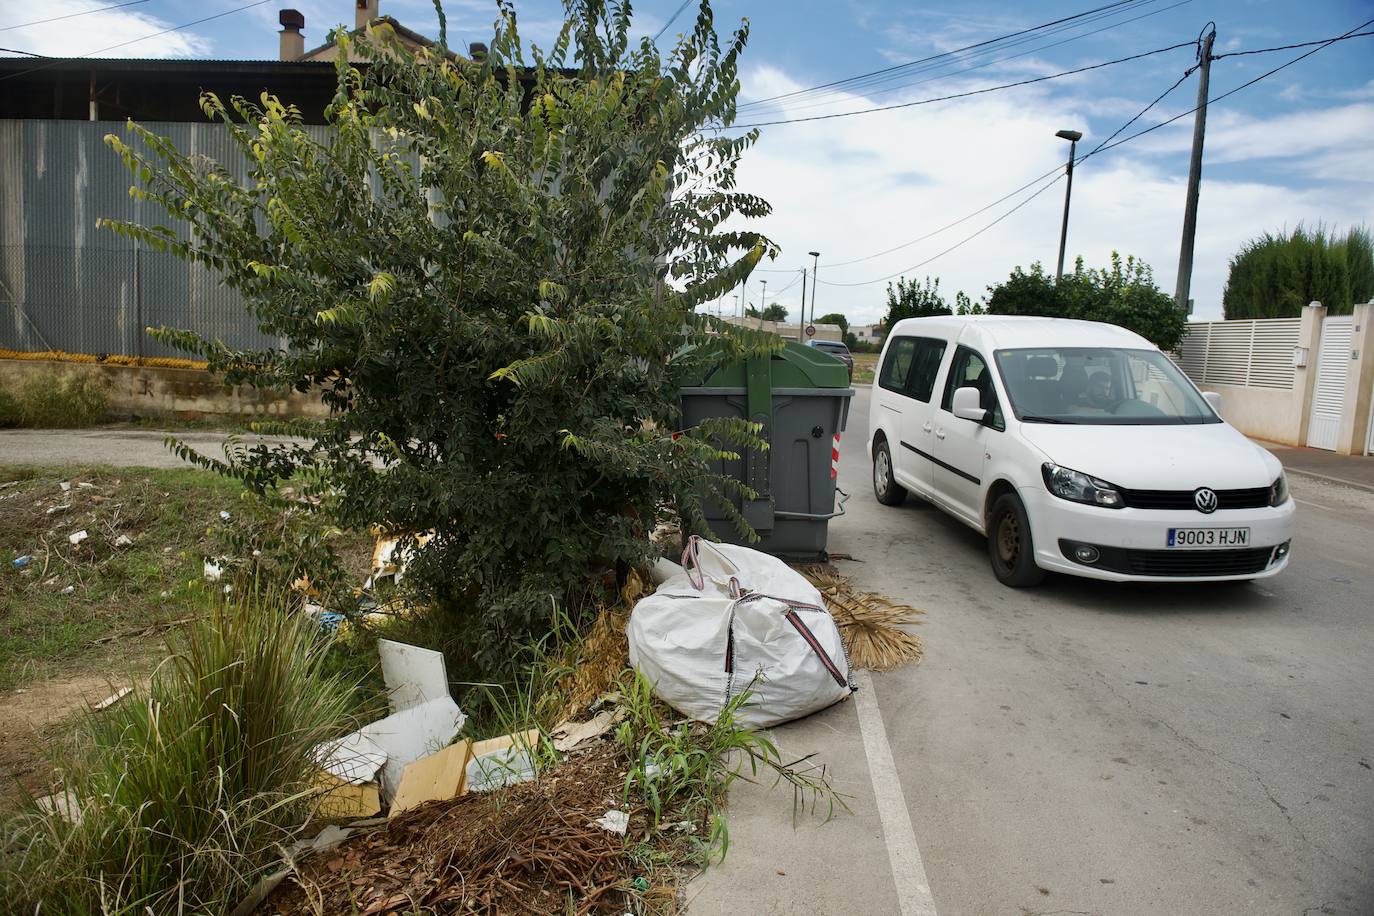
(1018, 331)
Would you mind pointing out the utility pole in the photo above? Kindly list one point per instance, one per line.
(801, 319)
(815, 272)
(1073, 136)
(1185, 252)
(763, 302)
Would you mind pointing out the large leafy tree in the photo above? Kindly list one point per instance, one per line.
(490, 271)
(910, 299)
(774, 312)
(1123, 294)
(1275, 275)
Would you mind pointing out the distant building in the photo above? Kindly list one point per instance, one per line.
(868, 333)
(787, 331)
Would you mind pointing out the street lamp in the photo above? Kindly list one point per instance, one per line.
(815, 269)
(763, 302)
(1073, 136)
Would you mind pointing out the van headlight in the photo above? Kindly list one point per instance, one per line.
(1278, 491)
(1069, 484)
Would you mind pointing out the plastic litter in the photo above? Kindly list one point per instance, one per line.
(69, 589)
(124, 541)
(503, 766)
(614, 821)
(736, 617)
(224, 515)
(112, 699)
(213, 569)
(21, 562)
(56, 509)
(66, 486)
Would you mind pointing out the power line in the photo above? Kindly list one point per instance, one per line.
(175, 28)
(100, 9)
(945, 54)
(1305, 44)
(957, 244)
(1107, 145)
(17, 51)
(988, 63)
(1245, 85)
(971, 92)
(671, 19)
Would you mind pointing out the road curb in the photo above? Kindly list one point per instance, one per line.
(1327, 478)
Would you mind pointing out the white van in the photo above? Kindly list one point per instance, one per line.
(1076, 447)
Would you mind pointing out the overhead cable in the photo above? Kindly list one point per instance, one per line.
(99, 9)
(966, 94)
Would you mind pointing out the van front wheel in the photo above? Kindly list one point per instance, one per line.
(885, 486)
(1010, 547)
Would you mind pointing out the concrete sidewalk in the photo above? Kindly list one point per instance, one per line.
(1348, 470)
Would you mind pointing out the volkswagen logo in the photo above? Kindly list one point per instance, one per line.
(1205, 500)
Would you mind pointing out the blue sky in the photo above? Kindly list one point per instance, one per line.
(1293, 148)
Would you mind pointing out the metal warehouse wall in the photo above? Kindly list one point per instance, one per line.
(66, 285)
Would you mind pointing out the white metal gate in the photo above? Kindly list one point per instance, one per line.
(1333, 366)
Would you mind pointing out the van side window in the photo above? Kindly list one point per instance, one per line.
(897, 365)
(929, 353)
(971, 371)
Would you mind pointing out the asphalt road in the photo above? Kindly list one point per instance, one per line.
(1080, 747)
(1086, 747)
(110, 446)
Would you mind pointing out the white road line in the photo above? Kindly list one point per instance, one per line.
(908, 871)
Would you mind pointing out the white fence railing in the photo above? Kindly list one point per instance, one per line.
(1256, 353)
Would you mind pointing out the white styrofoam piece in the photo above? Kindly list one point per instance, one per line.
(413, 675)
(413, 733)
(354, 758)
(503, 767)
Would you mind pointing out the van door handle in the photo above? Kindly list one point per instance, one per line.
(927, 427)
(939, 434)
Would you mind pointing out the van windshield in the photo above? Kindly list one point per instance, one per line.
(1103, 386)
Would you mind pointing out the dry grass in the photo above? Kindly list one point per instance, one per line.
(876, 630)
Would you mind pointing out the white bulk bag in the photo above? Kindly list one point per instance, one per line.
(731, 614)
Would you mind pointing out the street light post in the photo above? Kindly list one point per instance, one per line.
(815, 270)
(1073, 136)
(763, 301)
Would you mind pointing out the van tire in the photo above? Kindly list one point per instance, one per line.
(1010, 547)
(885, 487)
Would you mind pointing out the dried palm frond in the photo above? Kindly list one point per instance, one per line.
(602, 655)
(875, 629)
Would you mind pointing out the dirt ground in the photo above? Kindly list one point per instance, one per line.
(34, 717)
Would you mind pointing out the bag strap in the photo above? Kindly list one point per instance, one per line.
(802, 629)
(691, 562)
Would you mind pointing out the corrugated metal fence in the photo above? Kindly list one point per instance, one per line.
(1254, 353)
(66, 285)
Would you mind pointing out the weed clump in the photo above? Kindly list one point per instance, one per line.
(186, 790)
(53, 400)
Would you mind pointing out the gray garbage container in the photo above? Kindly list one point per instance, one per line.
(801, 396)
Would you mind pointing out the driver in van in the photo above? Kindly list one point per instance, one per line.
(1099, 390)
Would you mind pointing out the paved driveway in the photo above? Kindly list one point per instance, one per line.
(1085, 747)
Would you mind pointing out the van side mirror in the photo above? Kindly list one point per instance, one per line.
(966, 401)
(1213, 400)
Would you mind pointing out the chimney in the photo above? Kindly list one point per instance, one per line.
(477, 51)
(292, 41)
(364, 11)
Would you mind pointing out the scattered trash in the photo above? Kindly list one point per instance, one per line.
(112, 699)
(614, 821)
(64, 805)
(21, 561)
(430, 721)
(568, 735)
(86, 486)
(77, 537)
(876, 630)
(257, 554)
(413, 675)
(503, 761)
(56, 509)
(66, 486)
(438, 776)
(213, 569)
(386, 562)
(347, 778)
(124, 541)
(69, 589)
(228, 589)
(224, 515)
(754, 620)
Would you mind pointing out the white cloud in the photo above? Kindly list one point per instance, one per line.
(854, 186)
(84, 36)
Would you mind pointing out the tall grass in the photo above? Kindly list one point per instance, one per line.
(54, 400)
(186, 789)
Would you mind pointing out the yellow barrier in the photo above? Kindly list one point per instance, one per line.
(159, 362)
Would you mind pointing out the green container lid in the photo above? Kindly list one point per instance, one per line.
(794, 366)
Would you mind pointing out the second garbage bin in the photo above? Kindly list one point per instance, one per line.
(801, 397)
